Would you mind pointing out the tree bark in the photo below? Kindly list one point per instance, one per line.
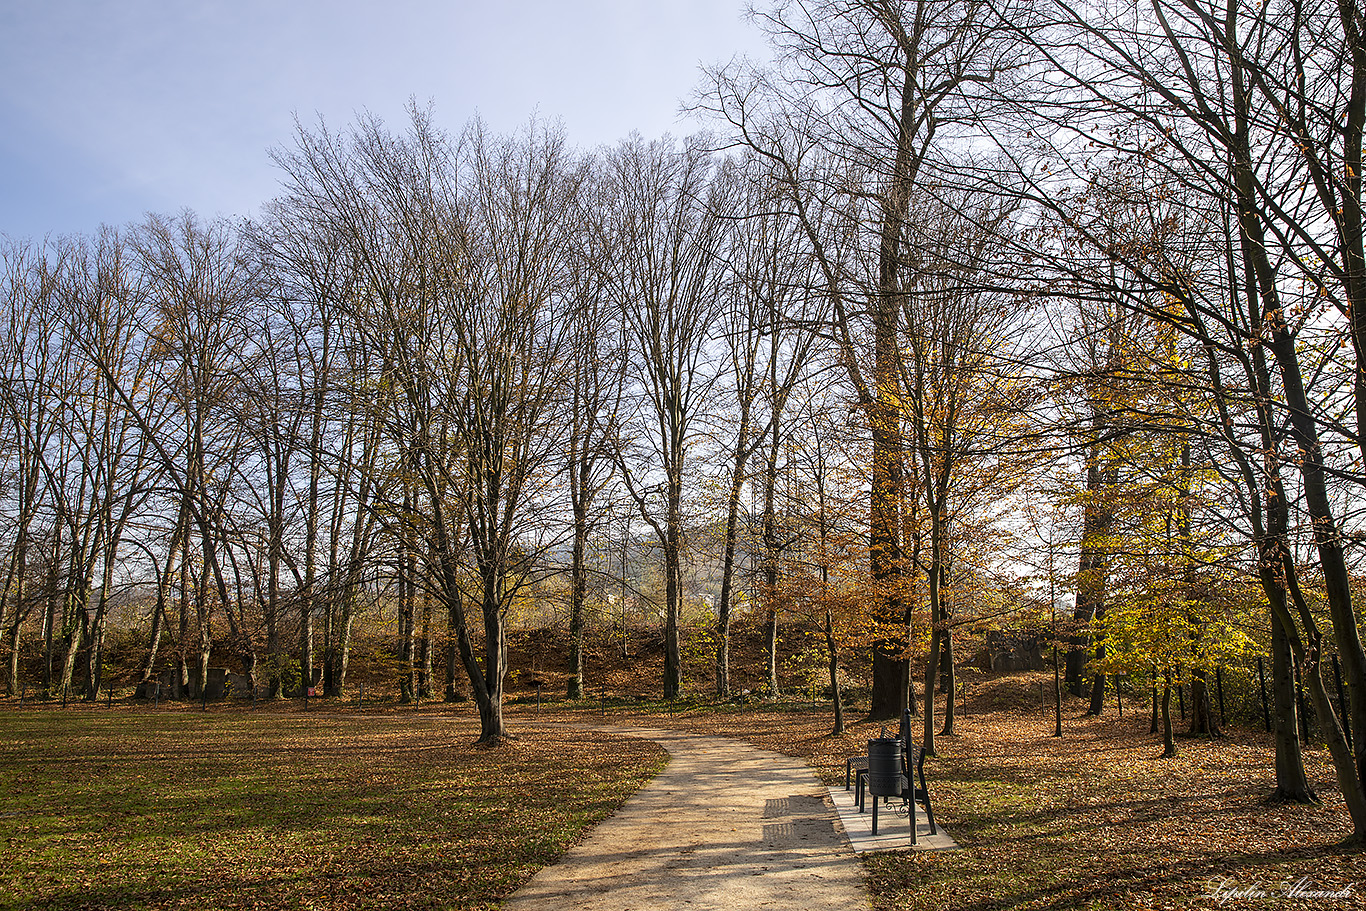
(950, 678)
(1097, 706)
(739, 457)
(833, 663)
(1168, 742)
(770, 567)
(1292, 784)
(578, 591)
(1203, 719)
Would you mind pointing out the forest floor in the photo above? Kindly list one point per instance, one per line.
(1096, 819)
(234, 808)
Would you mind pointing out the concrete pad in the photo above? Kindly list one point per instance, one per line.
(893, 829)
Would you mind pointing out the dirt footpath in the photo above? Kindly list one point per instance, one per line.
(724, 826)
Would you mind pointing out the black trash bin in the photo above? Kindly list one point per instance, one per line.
(884, 767)
(884, 771)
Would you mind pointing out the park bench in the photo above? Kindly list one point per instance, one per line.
(909, 783)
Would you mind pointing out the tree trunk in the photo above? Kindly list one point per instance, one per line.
(205, 640)
(452, 619)
(1092, 569)
(1075, 677)
(491, 729)
(931, 674)
(407, 609)
(1292, 784)
(424, 679)
(49, 622)
(1203, 719)
(73, 628)
(891, 665)
(770, 565)
(1345, 763)
(305, 644)
(727, 575)
(1057, 692)
(16, 593)
(12, 686)
(833, 663)
(950, 678)
(159, 618)
(739, 459)
(673, 658)
(1097, 707)
(578, 593)
(329, 659)
(1168, 742)
(673, 588)
(938, 612)
(97, 631)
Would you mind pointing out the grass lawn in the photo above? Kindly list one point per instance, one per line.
(1094, 820)
(133, 808)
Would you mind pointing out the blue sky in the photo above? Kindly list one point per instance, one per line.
(113, 109)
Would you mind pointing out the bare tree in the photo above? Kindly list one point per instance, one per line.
(105, 304)
(32, 404)
(966, 395)
(596, 389)
(852, 122)
(769, 333)
(198, 288)
(665, 227)
(460, 255)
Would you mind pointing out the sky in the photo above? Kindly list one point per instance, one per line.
(110, 109)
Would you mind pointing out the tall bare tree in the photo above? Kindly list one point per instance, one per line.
(853, 121)
(32, 402)
(665, 225)
(460, 253)
(769, 333)
(595, 400)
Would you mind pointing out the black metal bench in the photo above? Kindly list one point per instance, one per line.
(854, 764)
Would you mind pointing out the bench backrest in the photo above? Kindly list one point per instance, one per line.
(912, 760)
(907, 741)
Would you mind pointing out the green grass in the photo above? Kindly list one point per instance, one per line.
(131, 808)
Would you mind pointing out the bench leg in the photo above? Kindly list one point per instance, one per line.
(929, 810)
(911, 801)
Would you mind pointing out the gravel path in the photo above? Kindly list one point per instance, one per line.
(724, 826)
